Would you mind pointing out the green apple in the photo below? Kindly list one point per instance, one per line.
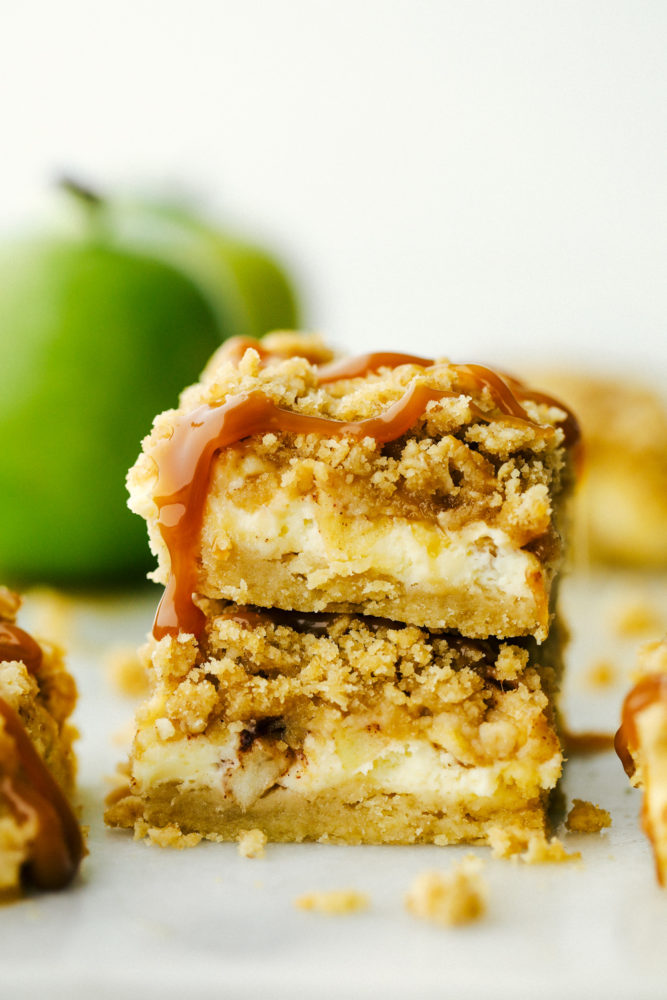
(97, 335)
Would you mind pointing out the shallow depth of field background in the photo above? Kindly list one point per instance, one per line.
(479, 179)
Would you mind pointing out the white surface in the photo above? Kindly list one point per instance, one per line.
(147, 922)
(477, 178)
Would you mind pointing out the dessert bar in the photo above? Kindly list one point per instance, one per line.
(358, 638)
(641, 744)
(386, 485)
(40, 839)
(331, 727)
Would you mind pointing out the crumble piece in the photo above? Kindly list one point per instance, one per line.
(252, 843)
(40, 839)
(126, 670)
(641, 744)
(601, 674)
(585, 817)
(636, 616)
(166, 836)
(533, 848)
(450, 898)
(334, 902)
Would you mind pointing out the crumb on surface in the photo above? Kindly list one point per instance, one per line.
(531, 846)
(52, 614)
(636, 616)
(600, 674)
(126, 671)
(334, 902)
(165, 836)
(586, 817)
(252, 843)
(449, 898)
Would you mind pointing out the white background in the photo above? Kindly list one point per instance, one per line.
(479, 179)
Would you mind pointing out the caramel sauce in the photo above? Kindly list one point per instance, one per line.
(185, 462)
(588, 742)
(183, 473)
(17, 645)
(649, 690)
(57, 848)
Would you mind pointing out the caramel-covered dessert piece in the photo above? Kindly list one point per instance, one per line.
(387, 485)
(641, 744)
(40, 840)
(357, 638)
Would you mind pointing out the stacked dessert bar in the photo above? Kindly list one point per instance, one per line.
(358, 638)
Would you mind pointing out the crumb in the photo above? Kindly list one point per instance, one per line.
(336, 902)
(542, 851)
(252, 843)
(532, 847)
(166, 836)
(126, 672)
(636, 616)
(585, 817)
(52, 614)
(601, 674)
(450, 898)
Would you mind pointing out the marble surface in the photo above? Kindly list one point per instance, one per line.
(147, 922)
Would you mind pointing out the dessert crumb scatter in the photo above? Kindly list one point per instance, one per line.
(252, 843)
(449, 898)
(585, 817)
(334, 902)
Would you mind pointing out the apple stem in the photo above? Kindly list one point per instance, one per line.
(91, 201)
(85, 194)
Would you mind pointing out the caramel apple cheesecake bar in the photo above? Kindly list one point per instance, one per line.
(40, 840)
(334, 727)
(641, 744)
(356, 640)
(388, 485)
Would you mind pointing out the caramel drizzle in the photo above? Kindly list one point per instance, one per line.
(506, 391)
(183, 478)
(587, 742)
(57, 848)
(650, 690)
(17, 645)
(184, 466)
